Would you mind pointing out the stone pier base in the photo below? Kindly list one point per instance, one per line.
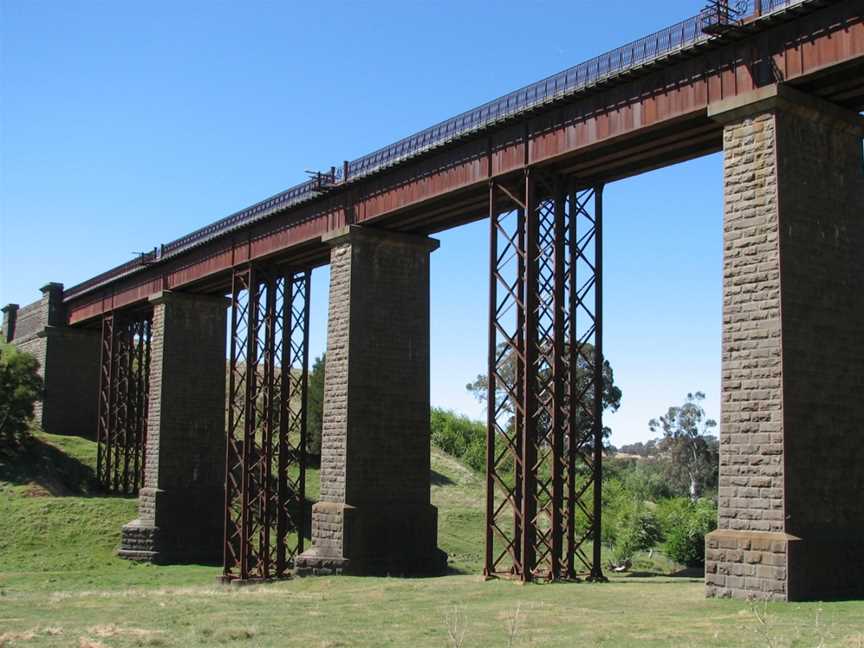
(181, 506)
(791, 509)
(375, 516)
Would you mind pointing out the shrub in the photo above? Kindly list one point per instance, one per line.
(20, 388)
(684, 524)
(459, 436)
(629, 524)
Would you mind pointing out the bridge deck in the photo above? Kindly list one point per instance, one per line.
(637, 108)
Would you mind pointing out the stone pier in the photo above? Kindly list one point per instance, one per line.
(181, 506)
(375, 515)
(791, 518)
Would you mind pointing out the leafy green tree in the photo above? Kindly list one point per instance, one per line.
(647, 449)
(692, 452)
(20, 388)
(647, 480)
(479, 388)
(315, 406)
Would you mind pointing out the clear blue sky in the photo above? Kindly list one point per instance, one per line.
(123, 125)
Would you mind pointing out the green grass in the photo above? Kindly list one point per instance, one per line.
(61, 585)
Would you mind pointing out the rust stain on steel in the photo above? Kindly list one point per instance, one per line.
(622, 117)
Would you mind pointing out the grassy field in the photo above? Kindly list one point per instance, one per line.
(61, 585)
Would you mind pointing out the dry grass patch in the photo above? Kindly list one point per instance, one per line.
(7, 638)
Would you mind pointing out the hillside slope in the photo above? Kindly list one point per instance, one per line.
(60, 532)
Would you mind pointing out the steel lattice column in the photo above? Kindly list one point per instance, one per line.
(544, 441)
(123, 399)
(104, 429)
(265, 466)
(587, 383)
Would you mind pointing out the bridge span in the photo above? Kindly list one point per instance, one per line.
(636, 108)
(136, 355)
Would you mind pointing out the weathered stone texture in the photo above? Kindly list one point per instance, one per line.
(375, 515)
(751, 451)
(181, 506)
(791, 519)
(335, 416)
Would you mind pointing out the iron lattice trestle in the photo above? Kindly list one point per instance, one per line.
(124, 385)
(266, 449)
(545, 390)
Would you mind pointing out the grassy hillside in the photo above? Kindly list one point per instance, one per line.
(61, 585)
(60, 532)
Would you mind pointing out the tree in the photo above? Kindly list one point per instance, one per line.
(20, 388)
(647, 449)
(584, 375)
(691, 451)
(315, 406)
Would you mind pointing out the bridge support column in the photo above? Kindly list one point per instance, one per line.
(375, 515)
(791, 518)
(68, 362)
(180, 507)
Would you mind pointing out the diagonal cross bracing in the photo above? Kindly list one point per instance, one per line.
(266, 456)
(124, 384)
(544, 432)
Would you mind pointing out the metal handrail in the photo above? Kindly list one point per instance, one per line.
(649, 49)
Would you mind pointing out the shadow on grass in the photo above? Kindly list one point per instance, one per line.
(438, 479)
(689, 572)
(50, 470)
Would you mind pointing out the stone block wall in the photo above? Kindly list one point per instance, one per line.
(335, 414)
(791, 519)
(181, 506)
(375, 515)
(751, 451)
(822, 269)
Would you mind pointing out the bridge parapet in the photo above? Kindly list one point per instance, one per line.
(68, 361)
(685, 39)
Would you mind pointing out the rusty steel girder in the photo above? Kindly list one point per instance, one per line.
(266, 449)
(545, 391)
(124, 385)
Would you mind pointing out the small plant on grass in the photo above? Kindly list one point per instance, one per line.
(513, 626)
(456, 627)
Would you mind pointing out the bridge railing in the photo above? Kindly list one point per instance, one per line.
(550, 89)
(643, 51)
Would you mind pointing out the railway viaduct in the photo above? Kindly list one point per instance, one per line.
(137, 355)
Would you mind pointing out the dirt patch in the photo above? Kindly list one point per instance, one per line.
(36, 490)
(85, 642)
(111, 630)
